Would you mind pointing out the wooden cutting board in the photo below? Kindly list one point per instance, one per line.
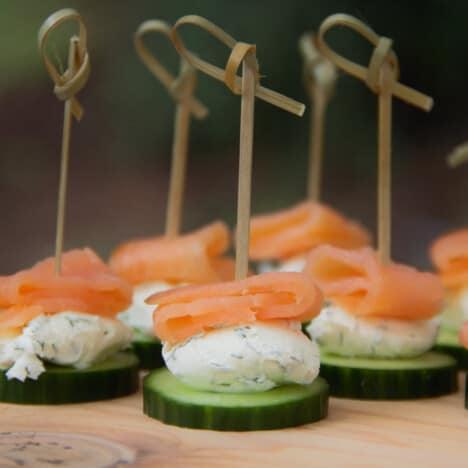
(432, 432)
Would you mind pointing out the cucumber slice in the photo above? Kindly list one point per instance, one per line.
(447, 342)
(170, 401)
(115, 377)
(148, 349)
(431, 374)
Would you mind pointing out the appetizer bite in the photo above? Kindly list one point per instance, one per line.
(236, 356)
(380, 318)
(449, 254)
(160, 263)
(377, 325)
(60, 341)
(282, 240)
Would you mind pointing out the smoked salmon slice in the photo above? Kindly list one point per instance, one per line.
(299, 229)
(356, 281)
(196, 257)
(187, 311)
(86, 284)
(449, 254)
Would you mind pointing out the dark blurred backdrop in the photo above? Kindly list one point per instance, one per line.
(120, 153)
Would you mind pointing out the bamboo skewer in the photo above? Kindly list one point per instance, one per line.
(319, 79)
(181, 89)
(458, 156)
(384, 224)
(63, 182)
(382, 78)
(67, 85)
(179, 159)
(249, 81)
(247, 86)
(314, 179)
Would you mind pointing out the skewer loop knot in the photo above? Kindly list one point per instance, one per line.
(179, 86)
(382, 55)
(319, 73)
(70, 82)
(240, 51)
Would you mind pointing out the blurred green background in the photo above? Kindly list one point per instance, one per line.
(120, 153)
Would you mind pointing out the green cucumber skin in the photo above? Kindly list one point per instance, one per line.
(234, 419)
(190, 415)
(389, 384)
(149, 354)
(458, 352)
(448, 343)
(115, 377)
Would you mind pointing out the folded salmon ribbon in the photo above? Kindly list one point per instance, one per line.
(449, 254)
(86, 284)
(279, 297)
(358, 282)
(196, 257)
(299, 229)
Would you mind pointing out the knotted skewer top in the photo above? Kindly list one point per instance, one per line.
(175, 86)
(319, 72)
(382, 54)
(240, 51)
(67, 85)
(72, 81)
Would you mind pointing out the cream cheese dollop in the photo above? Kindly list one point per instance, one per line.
(294, 264)
(67, 338)
(245, 358)
(139, 315)
(339, 332)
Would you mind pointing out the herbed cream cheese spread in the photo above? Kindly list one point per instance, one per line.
(67, 338)
(339, 332)
(139, 315)
(245, 358)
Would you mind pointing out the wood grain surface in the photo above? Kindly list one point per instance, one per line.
(431, 432)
